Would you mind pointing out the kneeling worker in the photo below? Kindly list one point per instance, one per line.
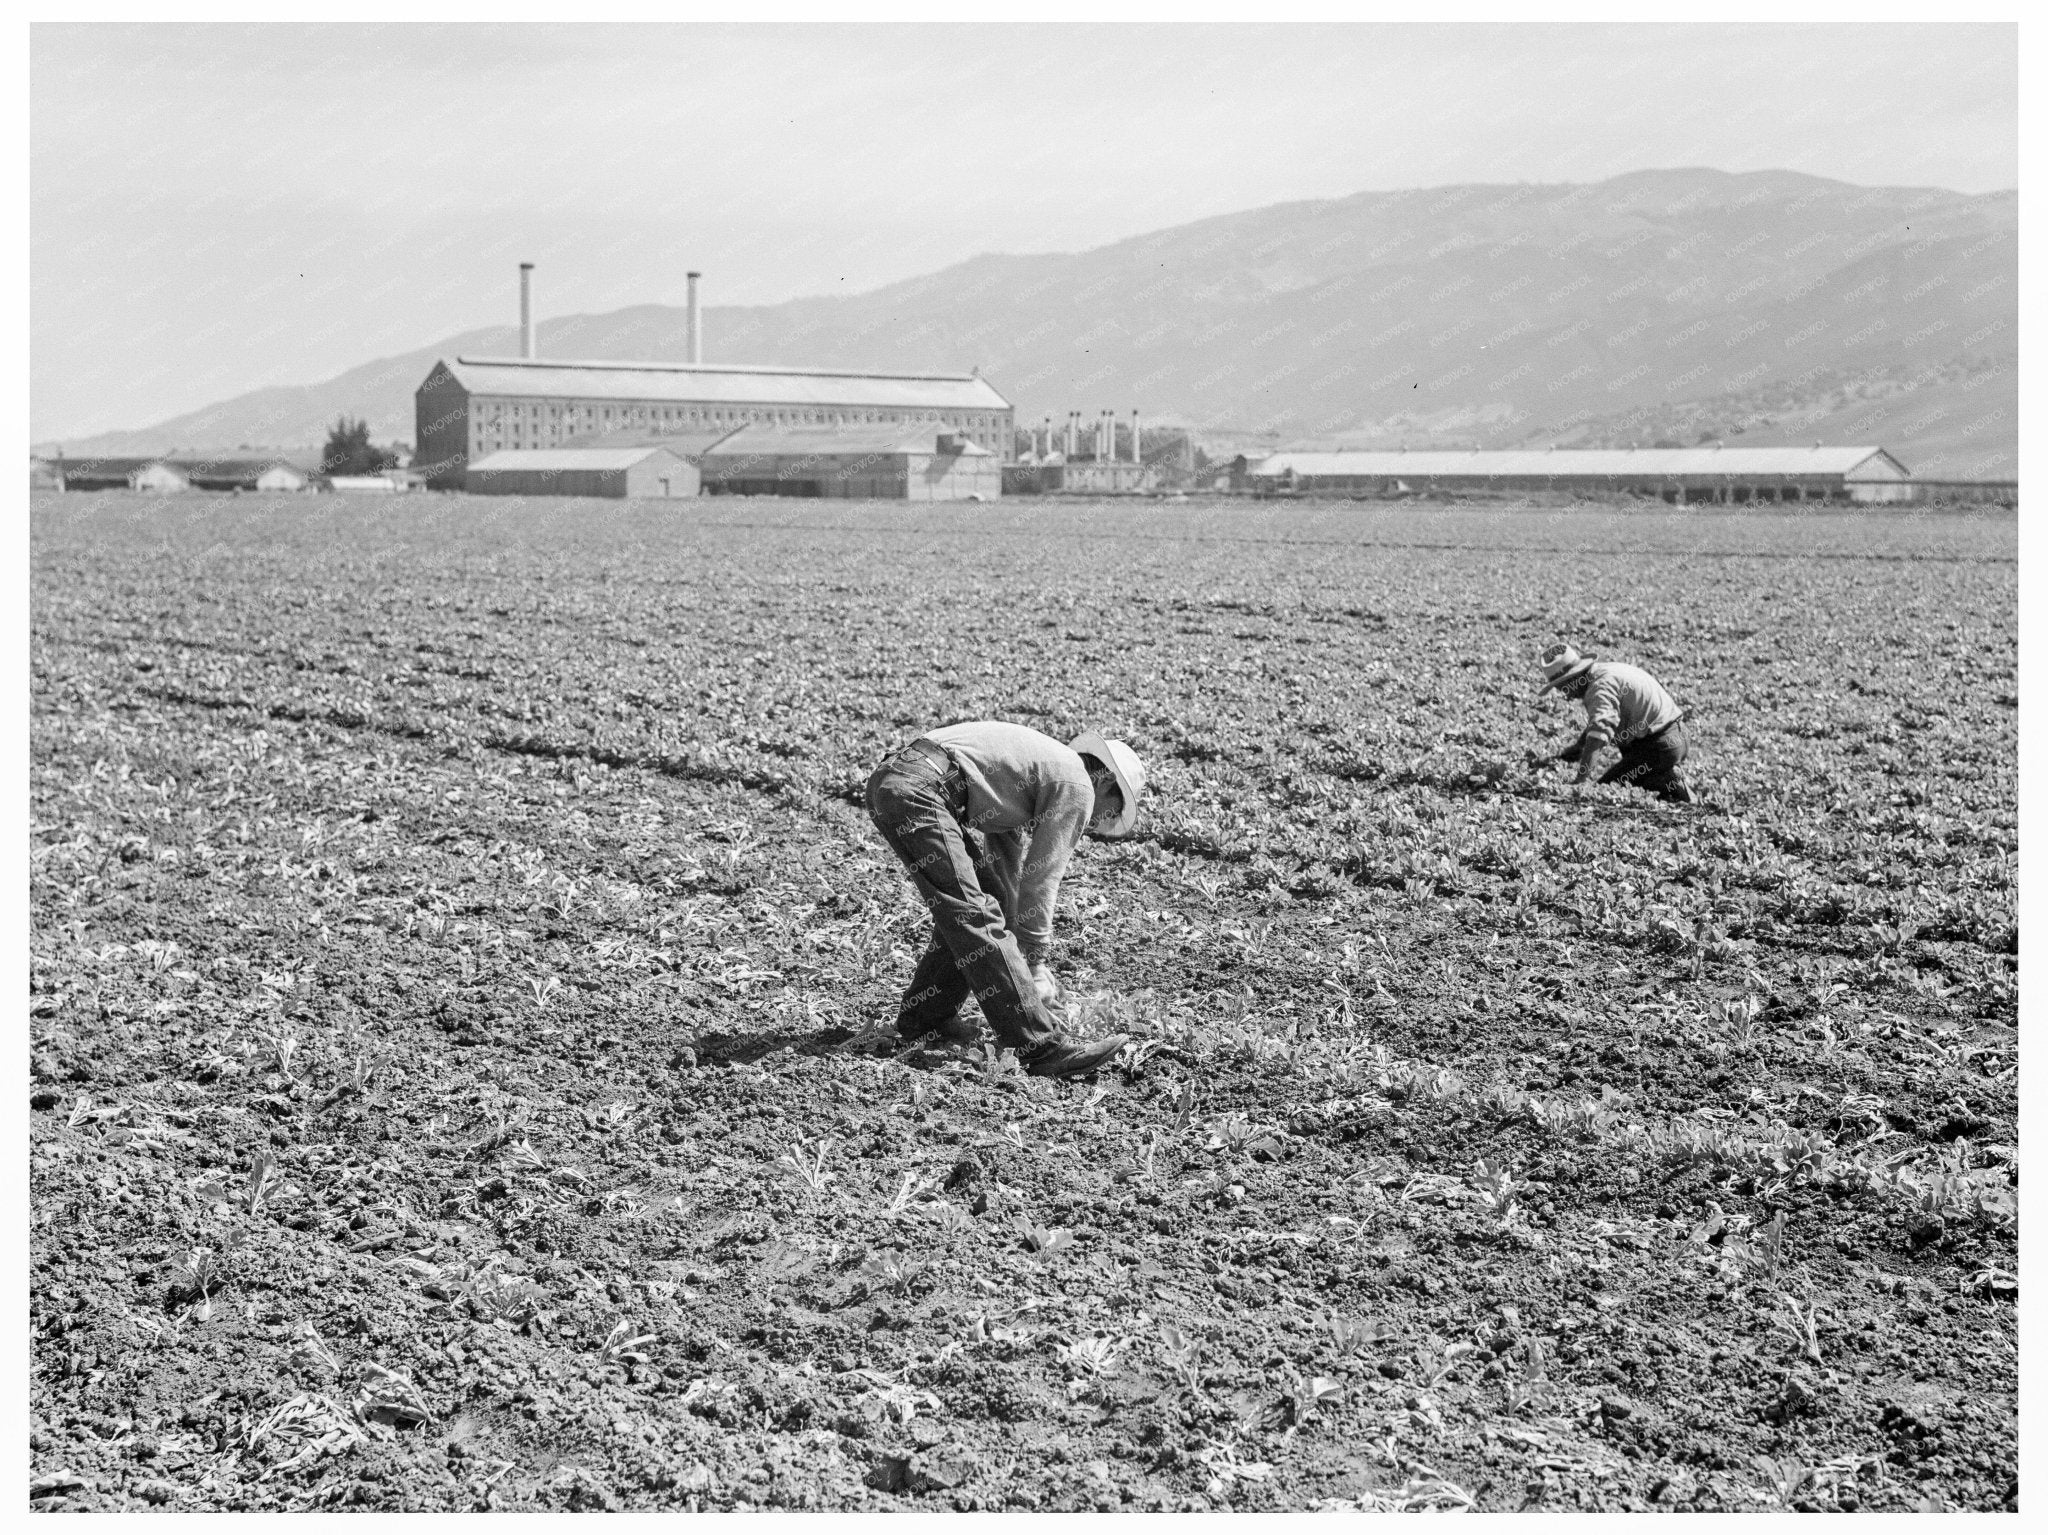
(985, 816)
(1625, 707)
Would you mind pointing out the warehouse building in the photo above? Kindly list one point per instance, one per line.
(153, 474)
(250, 474)
(175, 474)
(619, 472)
(852, 463)
(469, 408)
(1678, 475)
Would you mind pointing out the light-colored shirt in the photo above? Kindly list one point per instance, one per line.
(1625, 703)
(1029, 796)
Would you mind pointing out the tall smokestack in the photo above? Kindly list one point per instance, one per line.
(1136, 456)
(696, 324)
(526, 309)
(1073, 433)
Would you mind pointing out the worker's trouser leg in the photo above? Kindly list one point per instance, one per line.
(1653, 764)
(937, 988)
(917, 806)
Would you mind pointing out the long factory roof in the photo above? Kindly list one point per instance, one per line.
(1588, 462)
(543, 378)
(565, 458)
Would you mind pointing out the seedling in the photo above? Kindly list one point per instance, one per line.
(1092, 1355)
(1148, 1154)
(1769, 1243)
(1135, 1053)
(1182, 1353)
(1497, 1190)
(542, 990)
(1353, 1337)
(622, 1345)
(390, 1397)
(264, 1181)
(1047, 1239)
(196, 1276)
(1232, 1133)
(499, 1131)
(1784, 1477)
(315, 1347)
(1227, 1468)
(282, 1047)
(1741, 1017)
(1306, 1394)
(892, 1270)
(808, 1163)
(1801, 1323)
(83, 1110)
(906, 1192)
(1438, 1367)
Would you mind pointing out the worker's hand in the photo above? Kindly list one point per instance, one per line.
(1048, 988)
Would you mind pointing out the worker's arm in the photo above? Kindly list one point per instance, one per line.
(1057, 823)
(1603, 718)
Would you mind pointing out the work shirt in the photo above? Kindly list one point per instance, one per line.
(1624, 704)
(1029, 796)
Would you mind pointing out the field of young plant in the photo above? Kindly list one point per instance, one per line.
(458, 953)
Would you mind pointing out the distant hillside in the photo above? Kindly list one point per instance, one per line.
(1654, 304)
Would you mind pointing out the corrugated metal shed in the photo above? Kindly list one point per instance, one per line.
(1591, 463)
(242, 473)
(684, 444)
(758, 439)
(563, 458)
(614, 472)
(548, 379)
(892, 463)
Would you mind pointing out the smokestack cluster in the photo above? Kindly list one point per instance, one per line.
(1101, 438)
(696, 330)
(526, 348)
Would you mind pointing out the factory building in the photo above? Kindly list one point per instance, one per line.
(471, 407)
(1678, 475)
(652, 472)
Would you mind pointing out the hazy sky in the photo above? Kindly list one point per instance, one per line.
(217, 208)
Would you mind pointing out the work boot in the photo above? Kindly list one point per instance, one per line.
(1065, 1059)
(954, 1031)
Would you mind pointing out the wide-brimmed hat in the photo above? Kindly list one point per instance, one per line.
(1124, 767)
(1561, 663)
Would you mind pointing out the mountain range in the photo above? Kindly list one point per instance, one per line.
(1659, 306)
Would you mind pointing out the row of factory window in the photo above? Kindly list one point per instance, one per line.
(503, 424)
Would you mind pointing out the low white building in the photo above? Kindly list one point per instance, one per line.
(1708, 474)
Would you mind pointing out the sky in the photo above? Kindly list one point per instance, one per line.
(216, 208)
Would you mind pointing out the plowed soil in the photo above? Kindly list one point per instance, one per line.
(460, 961)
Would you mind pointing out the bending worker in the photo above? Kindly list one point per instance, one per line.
(985, 816)
(1625, 707)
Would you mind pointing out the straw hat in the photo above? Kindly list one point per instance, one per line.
(1124, 767)
(1561, 663)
